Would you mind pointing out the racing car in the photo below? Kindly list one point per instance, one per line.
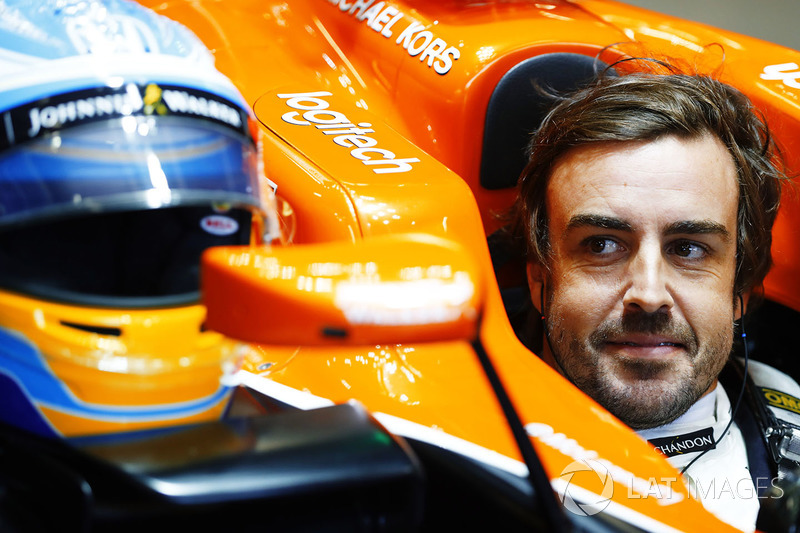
(379, 384)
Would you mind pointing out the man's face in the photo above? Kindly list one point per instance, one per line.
(638, 300)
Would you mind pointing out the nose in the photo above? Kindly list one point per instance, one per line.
(647, 285)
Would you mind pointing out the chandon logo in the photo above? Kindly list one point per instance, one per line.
(696, 441)
(346, 134)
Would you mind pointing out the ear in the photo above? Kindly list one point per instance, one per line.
(535, 275)
(740, 305)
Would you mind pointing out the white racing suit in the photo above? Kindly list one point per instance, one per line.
(737, 472)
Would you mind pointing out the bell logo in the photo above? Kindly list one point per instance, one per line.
(579, 478)
(788, 73)
(219, 225)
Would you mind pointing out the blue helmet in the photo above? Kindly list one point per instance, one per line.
(118, 138)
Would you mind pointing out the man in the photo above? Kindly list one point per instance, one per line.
(647, 207)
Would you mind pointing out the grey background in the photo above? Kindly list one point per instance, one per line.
(777, 21)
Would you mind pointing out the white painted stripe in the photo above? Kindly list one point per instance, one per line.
(11, 61)
(283, 393)
(396, 425)
(413, 430)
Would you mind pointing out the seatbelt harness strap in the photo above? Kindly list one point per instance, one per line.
(777, 410)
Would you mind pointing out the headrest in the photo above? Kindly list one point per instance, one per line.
(517, 106)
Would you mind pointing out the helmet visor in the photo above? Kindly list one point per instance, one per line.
(116, 212)
(129, 259)
(133, 162)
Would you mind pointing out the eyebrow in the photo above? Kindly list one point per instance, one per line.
(697, 227)
(689, 227)
(598, 221)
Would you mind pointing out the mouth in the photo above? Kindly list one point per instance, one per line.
(666, 343)
(645, 346)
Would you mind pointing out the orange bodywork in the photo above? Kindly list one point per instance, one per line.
(372, 123)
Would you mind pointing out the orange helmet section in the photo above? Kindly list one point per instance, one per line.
(79, 371)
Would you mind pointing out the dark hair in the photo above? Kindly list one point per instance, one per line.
(645, 107)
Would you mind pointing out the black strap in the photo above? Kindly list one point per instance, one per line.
(749, 418)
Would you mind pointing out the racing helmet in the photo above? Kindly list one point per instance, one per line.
(124, 154)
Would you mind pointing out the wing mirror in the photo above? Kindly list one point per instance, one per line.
(382, 290)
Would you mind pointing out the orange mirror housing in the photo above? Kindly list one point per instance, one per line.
(382, 290)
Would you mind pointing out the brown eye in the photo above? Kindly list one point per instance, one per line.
(683, 249)
(602, 245)
(688, 250)
(597, 246)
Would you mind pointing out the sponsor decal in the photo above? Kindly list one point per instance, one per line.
(391, 23)
(221, 207)
(787, 73)
(638, 487)
(781, 400)
(312, 109)
(35, 119)
(696, 441)
(186, 102)
(219, 225)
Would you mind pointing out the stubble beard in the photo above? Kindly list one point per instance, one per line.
(642, 393)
